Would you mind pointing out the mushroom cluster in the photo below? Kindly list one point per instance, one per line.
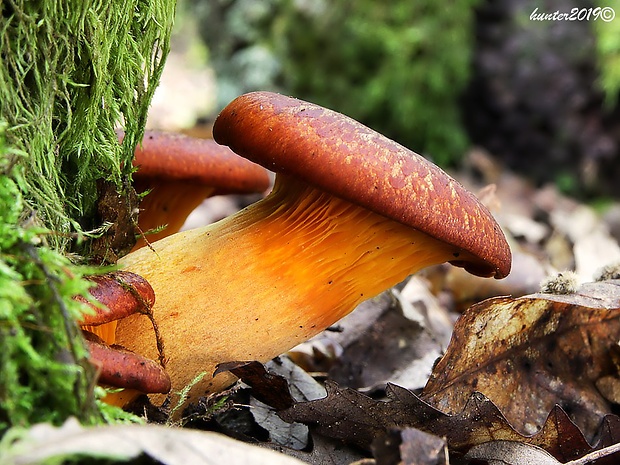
(351, 214)
(120, 294)
(176, 173)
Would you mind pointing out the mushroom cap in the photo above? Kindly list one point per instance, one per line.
(122, 293)
(121, 368)
(341, 156)
(201, 161)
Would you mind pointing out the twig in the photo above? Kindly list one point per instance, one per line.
(597, 454)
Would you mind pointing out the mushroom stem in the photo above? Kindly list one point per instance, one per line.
(268, 278)
(175, 200)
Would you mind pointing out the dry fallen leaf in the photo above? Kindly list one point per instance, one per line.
(510, 453)
(537, 358)
(351, 416)
(386, 339)
(266, 387)
(168, 446)
(398, 347)
(531, 353)
(518, 453)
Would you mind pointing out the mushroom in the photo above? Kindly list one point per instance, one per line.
(123, 369)
(351, 214)
(179, 172)
(120, 294)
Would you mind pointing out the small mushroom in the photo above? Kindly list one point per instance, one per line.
(180, 172)
(120, 294)
(351, 214)
(120, 368)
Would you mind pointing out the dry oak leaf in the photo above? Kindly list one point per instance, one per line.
(356, 418)
(532, 353)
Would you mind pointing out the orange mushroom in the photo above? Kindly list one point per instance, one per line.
(179, 172)
(351, 214)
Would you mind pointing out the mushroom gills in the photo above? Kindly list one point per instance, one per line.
(105, 331)
(259, 282)
(330, 252)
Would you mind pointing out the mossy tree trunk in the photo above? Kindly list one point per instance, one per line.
(71, 73)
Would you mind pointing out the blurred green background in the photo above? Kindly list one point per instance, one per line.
(539, 96)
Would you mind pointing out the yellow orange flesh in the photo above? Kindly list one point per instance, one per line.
(259, 282)
(168, 204)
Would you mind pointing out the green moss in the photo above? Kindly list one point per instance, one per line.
(71, 72)
(44, 373)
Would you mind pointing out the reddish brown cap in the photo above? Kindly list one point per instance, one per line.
(181, 171)
(340, 155)
(121, 368)
(122, 293)
(179, 157)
